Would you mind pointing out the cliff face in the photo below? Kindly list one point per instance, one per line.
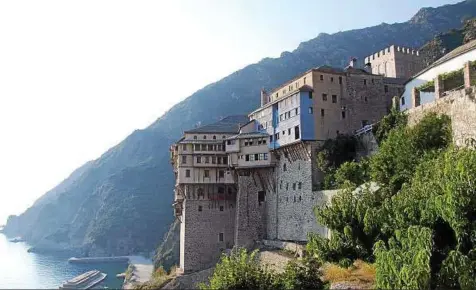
(120, 203)
(446, 42)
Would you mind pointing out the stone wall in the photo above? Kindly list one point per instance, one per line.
(460, 106)
(250, 212)
(202, 222)
(290, 211)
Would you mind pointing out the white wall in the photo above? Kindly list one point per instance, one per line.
(451, 65)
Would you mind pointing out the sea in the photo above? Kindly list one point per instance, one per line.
(22, 270)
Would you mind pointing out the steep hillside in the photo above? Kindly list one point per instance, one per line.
(446, 42)
(121, 202)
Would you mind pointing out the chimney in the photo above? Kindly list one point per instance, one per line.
(264, 97)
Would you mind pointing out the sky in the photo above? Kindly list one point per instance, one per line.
(77, 77)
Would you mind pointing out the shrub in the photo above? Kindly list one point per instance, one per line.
(405, 262)
(240, 270)
(305, 275)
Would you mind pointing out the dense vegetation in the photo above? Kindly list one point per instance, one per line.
(120, 203)
(241, 270)
(419, 226)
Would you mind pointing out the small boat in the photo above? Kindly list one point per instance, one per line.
(84, 281)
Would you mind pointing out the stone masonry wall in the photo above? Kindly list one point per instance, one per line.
(290, 210)
(250, 212)
(460, 106)
(200, 232)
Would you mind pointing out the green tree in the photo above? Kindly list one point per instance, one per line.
(394, 119)
(240, 270)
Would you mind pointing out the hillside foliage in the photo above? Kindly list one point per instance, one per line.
(419, 227)
(241, 270)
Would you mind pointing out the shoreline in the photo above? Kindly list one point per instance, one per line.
(141, 271)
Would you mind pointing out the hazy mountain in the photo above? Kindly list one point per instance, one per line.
(121, 202)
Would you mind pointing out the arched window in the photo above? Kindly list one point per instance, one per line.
(214, 137)
(204, 137)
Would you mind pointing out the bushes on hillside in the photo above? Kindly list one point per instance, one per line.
(420, 226)
(241, 270)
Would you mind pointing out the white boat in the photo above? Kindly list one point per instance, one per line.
(84, 281)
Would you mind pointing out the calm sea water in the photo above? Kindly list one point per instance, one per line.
(20, 269)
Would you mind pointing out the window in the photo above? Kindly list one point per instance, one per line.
(221, 174)
(229, 191)
(271, 139)
(365, 82)
(194, 137)
(365, 99)
(332, 79)
(299, 185)
(261, 196)
(184, 147)
(343, 114)
(296, 133)
(256, 156)
(310, 110)
(207, 159)
(281, 185)
(247, 157)
(221, 190)
(321, 77)
(310, 95)
(220, 237)
(197, 147)
(221, 208)
(385, 88)
(304, 80)
(289, 131)
(324, 97)
(296, 111)
(214, 160)
(206, 174)
(225, 160)
(334, 99)
(322, 112)
(277, 136)
(287, 185)
(187, 173)
(210, 147)
(204, 147)
(199, 159)
(204, 137)
(294, 186)
(265, 156)
(214, 137)
(372, 81)
(340, 80)
(184, 159)
(284, 167)
(284, 133)
(403, 101)
(199, 208)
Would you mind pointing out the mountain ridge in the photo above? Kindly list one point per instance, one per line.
(121, 202)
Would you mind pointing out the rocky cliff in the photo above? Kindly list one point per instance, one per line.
(120, 203)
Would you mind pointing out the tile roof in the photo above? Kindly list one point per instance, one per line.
(230, 124)
(248, 135)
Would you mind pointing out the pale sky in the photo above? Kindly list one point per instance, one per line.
(76, 77)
